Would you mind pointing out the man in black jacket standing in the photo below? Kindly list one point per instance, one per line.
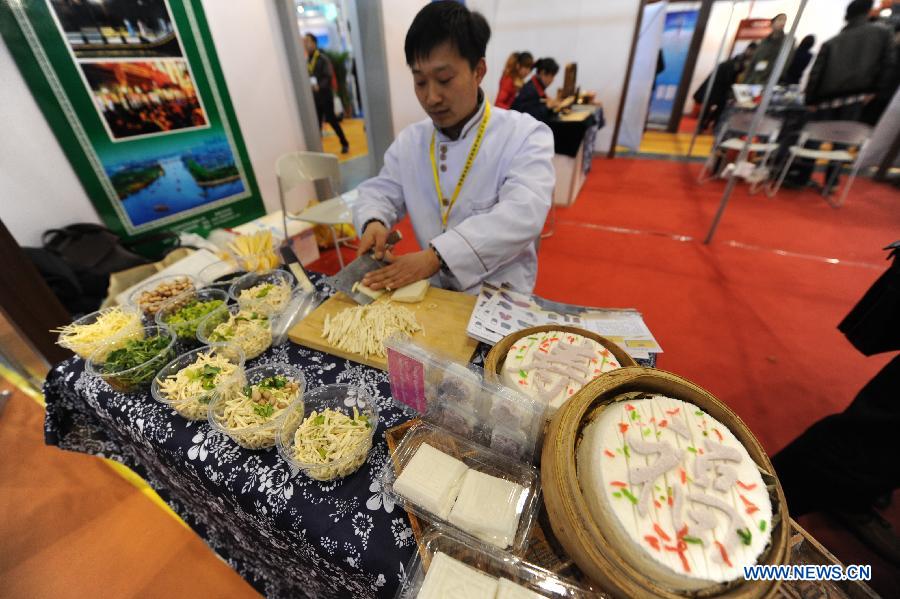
(320, 74)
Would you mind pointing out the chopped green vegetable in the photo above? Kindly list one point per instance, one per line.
(264, 410)
(273, 382)
(264, 291)
(184, 320)
(745, 534)
(762, 526)
(137, 358)
(626, 450)
(322, 452)
(692, 449)
(630, 496)
(617, 494)
(320, 420)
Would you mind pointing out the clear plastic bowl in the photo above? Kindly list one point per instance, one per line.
(149, 308)
(263, 304)
(187, 330)
(259, 263)
(252, 345)
(197, 406)
(342, 398)
(117, 339)
(220, 275)
(263, 435)
(137, 377)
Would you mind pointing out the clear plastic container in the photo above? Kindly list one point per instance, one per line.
(342, 398)
(220, 275)
(151, 295)
(195, 405)
(500, 512)
(205, 301)
(456, 397)
(261, 262)
(269, 298)
(138, 376)
(132, 328)
(253, 335)
(222, 409)
(488, 560)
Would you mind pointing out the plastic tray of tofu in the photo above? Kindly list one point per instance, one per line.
(444, 478)
(456, 397)
(449, 566)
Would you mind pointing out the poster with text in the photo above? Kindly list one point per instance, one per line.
(676, 41)
(134, 93)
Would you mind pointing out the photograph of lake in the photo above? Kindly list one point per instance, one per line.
(155, 186)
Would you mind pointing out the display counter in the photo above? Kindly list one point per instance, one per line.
(573, 140)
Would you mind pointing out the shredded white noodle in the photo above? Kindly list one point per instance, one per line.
(331, 438)
(249, 330)
(244, 414)
(270, 298)
(113, 328)
(190, 390)
(363, 329)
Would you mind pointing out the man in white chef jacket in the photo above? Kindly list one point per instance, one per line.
(477, 224)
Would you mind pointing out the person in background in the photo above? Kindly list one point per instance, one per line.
(475, 180)
(799, 61)
(518, 65)
(321, 74)
(763, 60)
(726, 75)
(532, 98)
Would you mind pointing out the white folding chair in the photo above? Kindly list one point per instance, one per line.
(848, 133)
(295, 168)
(729, 138)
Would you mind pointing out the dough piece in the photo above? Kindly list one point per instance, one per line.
(674, 491)
(358, 286)
(448, 578)
(431, 480)
(412, 293)
(488, 507)
(507, 589)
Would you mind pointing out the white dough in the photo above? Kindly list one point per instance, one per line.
(488, 508)
(507, 589)
(431, 480)
(448, 578)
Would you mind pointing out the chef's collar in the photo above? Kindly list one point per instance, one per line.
(470, 124)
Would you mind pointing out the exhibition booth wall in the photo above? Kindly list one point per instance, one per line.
(39, 189)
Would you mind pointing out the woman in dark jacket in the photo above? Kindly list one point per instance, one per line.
(532, 98)
(799, 61)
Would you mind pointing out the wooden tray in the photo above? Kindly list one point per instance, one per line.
(444, 316)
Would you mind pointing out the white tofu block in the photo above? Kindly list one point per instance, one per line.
(448, 578)
(412, 293)
(507, 589)
(488, 507)
(431, 480)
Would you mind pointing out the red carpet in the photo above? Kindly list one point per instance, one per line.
(754, 326)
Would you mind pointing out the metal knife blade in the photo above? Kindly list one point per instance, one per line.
(353, 273)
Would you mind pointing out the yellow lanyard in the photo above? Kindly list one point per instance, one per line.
(312, 64)
(473, 152)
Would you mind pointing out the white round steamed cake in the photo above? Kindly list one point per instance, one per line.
(554, 365)
(674, 492)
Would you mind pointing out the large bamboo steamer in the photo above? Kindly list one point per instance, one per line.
(493, 362)
(569, 515)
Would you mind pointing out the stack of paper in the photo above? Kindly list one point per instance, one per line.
(501, 311)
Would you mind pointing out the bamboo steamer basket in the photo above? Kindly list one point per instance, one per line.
(495, 358)
(569, 515)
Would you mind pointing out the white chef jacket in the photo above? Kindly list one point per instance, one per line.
(498, 217)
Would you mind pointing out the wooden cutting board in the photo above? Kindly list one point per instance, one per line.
(443, 315)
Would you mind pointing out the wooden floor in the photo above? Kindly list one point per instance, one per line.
(70, 526)
(355, 130)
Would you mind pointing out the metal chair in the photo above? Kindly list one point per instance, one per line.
(847, 133)
(729, 138)
(296, 168)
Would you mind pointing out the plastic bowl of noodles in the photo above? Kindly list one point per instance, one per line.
(191, 381)
(251, 416)
(329, 433)
(249, 330)
(110, 328)
(220, 275)
(132, 366)
(183, 314)
(268, 293)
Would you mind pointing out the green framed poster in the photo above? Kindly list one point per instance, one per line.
(134, 93)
